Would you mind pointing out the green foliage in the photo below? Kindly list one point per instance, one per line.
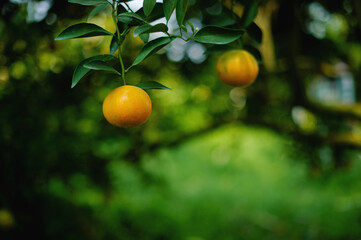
(255, 32)
(169, 6)
(254, 52)
(148, 6)
(80, 71)
(250, 13)
(217, 35)
(124, 19)
(114, 45)
(144, 37)
(151, 85)
(88, 2)
(181, 9)
(97, 10)
(82, 30)
(224, 179)
(151, 47)
(132, 19)
(147, 28)
(100, 65)
(187, 173)
(154, 15)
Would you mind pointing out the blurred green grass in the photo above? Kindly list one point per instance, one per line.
(232, 183)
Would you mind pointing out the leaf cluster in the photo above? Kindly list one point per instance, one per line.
(142, 23)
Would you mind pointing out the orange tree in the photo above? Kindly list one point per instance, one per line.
(49, 136)
(237, 71)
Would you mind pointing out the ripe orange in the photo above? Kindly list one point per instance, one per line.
(127, 106)
(237, 68)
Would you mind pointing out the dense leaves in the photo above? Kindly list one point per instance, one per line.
(151, 11)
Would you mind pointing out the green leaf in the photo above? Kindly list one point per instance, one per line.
(148, 6)
(255, 32)
(152, 85)
(168, 7)
(184, 28)
(218, 48)
(144, 37)
(82, 30)
(80, 71)
(150, 48)
(221, 21)
(192, 26)
(121, 9)
(240, 43)
(88, 2)
(147, 28)
(154, 15)
(254, 51)
(215, 9)
(181, 11)
(96, 10)
(131, 18)
(250, 13)
(100, 65)
(217, 35)
(114, 44)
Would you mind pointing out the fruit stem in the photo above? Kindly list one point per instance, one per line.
(114, 14)
(123, 69)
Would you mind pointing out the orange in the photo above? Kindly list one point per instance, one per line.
(237, 68)
(127, 106)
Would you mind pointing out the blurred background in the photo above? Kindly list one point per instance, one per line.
(280, 159)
